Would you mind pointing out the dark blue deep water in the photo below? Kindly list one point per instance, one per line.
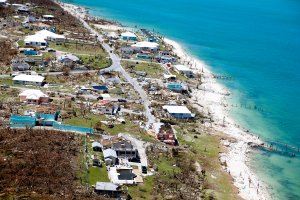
(257, 42)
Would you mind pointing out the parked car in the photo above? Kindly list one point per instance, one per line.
(144, 169)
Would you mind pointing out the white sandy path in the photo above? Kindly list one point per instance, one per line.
(212, 98)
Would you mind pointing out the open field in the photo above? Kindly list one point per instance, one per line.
(153, 70)
(79, 49)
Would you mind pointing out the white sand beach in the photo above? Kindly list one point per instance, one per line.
(212, 98)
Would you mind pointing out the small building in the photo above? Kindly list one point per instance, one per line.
(68, 59)
(110, 156)
(20, 66)
(122, 175)
(106, 107)
(178, 112)
(29, 79)
(177, 87)
(146, 46)
(165, 133)
(35, 40)
(3, 2)
(96, 162)
(48, 17)
(33, 97)
(129, 36)
(96, 146)
(108, 189)
(182, 69)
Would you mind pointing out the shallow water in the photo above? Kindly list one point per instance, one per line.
(257, 42)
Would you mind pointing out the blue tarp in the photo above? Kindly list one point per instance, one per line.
(100, 87)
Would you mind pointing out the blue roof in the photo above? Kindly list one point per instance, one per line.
(100, 87)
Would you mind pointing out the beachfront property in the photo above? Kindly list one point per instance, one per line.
(165, 133)
(146, 46)
(110, 190)
(178, 112)
(129, 36)
(177, 87)
(25, 79)
(182, 69)
(32, 96)
(110, 157)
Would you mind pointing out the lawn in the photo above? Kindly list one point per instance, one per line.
(142, 191)
(89, 120)
(96, 62)
(205, 149)
(98, 174)
(153, 70)
(21, 43)
(79, 49)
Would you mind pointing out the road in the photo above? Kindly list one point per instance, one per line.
(116, 66)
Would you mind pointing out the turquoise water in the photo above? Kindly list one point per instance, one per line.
(258, 43)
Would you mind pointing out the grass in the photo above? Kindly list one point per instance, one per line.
(96, 62)
(79, 49)
(98, 174)
(89, 120)
(21, 43)
(205, 149)
(142, 191)
(153, 70)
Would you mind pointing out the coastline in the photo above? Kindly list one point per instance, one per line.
(212, 99)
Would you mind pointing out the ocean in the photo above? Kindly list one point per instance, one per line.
(257, 43)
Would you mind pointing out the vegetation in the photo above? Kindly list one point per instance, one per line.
(79, 48)
(153, 70)
(96, 62)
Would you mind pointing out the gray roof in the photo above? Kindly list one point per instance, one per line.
(122, 145)
(96, 144)
(109, 153)
(106, 186)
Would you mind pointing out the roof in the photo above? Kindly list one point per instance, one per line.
(33, 94)
(48, 16)
(46, 34)
(106, 186)
(68, 56)
(167, 76)
(96, 144)
(146, 44)
(109, 153)
(156, 127)
(182, 68)
(100, 87)
(29, 78)
(128, 34)
(177, 109)
(3, 1)
(35, 38)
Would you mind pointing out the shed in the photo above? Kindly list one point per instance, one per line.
(96, 146)
(110, 189)
(110, 154)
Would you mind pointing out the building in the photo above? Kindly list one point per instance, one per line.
(96, 162)
(125, 149)
(106, 107)
(182, 69)
(165, 133)
(3, 2)
(178, 112)
(34, 97)
(96, 146)
(108, 189)
(110, 156)
(35, 40)
(42, 37)
(29, 79)
(48, 17)
(20, 66)
(146, 46)
(122, 175)
(128, 36)
(68, 59)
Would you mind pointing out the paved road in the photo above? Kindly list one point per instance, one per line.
(116, 65)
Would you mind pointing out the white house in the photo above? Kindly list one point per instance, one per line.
(33, 96)
(129, 36)
(68, 59)
(42, 37)
(145, 45)
(182, 69)
(110, 156)
(179, 112)
(29, 79)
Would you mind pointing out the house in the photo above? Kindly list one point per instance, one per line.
(170, 77)
(34, 97)
(125, 149)
(96, 162)
(29, 79)
(112, 35)
(108, 189)
(68, 59)
(165, 133)
(182, 69)
(96, 146)
(48, 17)
(177, 87)
(20, 66)
(127, 50)
(43, 26)
(42, 37)
(30, 52)
(178, 112)
(110, 156)
(128, 36)
(106, 107)
(147, 46)
(3, 2)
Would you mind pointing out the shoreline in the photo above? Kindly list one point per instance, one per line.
(212, 98)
